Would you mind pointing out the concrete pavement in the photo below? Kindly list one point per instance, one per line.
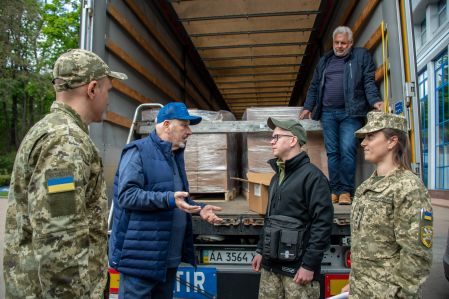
(440, 202)
(436, 286)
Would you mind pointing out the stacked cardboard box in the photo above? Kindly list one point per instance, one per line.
(258, 147)
(257, 194)
(211, 158)
(258, 151)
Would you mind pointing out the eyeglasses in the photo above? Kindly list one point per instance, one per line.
(276, 137)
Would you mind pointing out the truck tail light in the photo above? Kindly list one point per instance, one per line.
(114, 280)
(348, 258)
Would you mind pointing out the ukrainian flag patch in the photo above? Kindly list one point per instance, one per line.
(427, 215)
(61, 184)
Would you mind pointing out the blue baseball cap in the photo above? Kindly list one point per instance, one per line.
(176, 110)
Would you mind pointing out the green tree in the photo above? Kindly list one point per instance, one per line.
(61, 28)
(33, 33)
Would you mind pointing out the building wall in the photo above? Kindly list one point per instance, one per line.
(431, 24)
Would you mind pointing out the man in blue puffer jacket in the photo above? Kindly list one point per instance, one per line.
(152, 226)
(341, 93)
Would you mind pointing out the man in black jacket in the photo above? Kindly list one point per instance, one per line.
(341, 92)
(298, 191)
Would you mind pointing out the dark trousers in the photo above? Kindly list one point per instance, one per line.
(341, 148)
(137, 288)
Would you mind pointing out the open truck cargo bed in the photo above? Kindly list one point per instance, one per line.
(232, 55)
(240, 220)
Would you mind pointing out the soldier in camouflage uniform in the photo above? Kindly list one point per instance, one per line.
(391, 224)
(56, 221)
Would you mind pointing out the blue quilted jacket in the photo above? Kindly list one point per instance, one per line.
(143, 215)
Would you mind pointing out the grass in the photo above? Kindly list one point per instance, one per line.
(3, 194)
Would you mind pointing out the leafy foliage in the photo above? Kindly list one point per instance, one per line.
(33, 33)
(4, 181)
(61, 28)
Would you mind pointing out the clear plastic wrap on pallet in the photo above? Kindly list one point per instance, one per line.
(263, 113)
(257, 148)
(222, 115)
(210, 158)
(207, 115)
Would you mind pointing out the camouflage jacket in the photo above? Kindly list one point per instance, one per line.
(391, 234)
(56, 221)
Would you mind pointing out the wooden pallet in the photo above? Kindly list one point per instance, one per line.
(215, 197)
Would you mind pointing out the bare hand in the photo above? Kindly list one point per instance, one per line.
(305, 114)
(182, 205)
(379, 106)
(345, 288)
(257, 261)
(303, 276)
(208, 213)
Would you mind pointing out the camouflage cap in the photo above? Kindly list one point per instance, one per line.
(291, 125)
(381, 120)
(78, 67)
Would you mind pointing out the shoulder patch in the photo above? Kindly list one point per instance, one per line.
(61, 192)
(426, 228)
(426, 234)
(60, 181)
(427, 215)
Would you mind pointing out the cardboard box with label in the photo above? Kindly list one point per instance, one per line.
(258, 191)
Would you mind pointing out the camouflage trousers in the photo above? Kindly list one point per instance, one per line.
(278, 286)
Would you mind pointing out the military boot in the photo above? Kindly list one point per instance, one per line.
(334, 198)
(344, 199)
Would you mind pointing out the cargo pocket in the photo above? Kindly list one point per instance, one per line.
(271, 242)
(63, 258)
(290, 244)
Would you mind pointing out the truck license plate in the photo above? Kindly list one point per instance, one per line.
(216, 256)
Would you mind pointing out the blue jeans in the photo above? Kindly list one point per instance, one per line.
(341, 148)
(139, 288)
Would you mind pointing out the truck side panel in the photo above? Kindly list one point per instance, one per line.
(124, 33)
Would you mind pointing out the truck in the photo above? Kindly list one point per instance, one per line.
(232, 55)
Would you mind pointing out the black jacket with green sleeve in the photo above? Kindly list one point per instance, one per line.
(303, 194)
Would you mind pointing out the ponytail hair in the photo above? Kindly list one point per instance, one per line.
(401, 152)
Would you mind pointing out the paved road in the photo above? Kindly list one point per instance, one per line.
(436, 287)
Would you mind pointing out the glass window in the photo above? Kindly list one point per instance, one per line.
(423, 32)
(446, 154)
(444, 75)
(445, 101)
(444, 175)
(446, 138)
(442, 122)
(424, 110)
(442, 14)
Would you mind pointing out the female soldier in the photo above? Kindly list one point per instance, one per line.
(391, 223)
